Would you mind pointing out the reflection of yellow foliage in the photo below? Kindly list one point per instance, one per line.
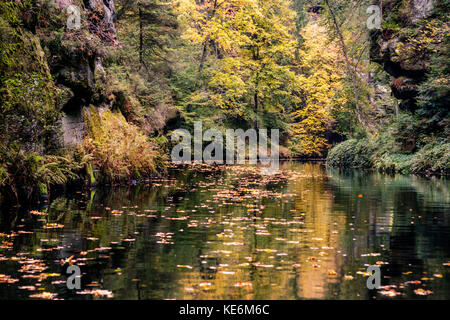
(274, 249)
(315, 203)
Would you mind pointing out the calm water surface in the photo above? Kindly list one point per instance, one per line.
(308, 233)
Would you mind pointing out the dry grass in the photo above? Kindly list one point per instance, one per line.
(119, 149)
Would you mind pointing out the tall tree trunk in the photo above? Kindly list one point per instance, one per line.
(381, 9)
(141, 41)
(256, 109)
(347, 61)
(206, 43)
(255, 98)
(203, 59)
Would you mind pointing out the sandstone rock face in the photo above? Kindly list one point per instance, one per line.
(79, 72)
(391, 49)
(159, 117)
(421, 9)
(62, 4)
(107, 10)
(73, 127)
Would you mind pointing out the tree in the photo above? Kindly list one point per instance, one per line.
(320, 80)
(353, 41)
(254, 43)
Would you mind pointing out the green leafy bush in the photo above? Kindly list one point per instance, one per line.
(394, 163)
(23, 175)
(433, 158)
(351, 153)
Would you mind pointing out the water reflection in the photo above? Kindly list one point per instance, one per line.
(308, 233)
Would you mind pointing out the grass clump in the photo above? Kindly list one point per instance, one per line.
(120, 151)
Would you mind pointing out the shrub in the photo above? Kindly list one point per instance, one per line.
(433, 158)
(23, 175)
(119, 149)
(351, 153)
(394, 163)
(399, 137)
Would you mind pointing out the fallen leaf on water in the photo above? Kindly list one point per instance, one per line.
(53, 226)
(93, 284)
(29, 288)
(227, 272)
(44, 295)
(422, 292)
(258, 264)
(242, 284)
(204, 284)
(7, 279)
(68, 260)
(413, 282)
(184, 266)
(98, 293)
(38, 213)
(390, 293)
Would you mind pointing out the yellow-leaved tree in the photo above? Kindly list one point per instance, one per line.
(247, 55)
(320, 79)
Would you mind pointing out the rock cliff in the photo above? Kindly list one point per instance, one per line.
(405, 45)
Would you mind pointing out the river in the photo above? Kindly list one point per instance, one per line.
(309, 232)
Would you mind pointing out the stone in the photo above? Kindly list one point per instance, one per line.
(408, 71)
(73, 127)
(421, 9)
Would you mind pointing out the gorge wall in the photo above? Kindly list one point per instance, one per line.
(405, 45)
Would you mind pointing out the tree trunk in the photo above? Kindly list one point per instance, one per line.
(203, 59)
(141, 41)
(256, 102)
(347, 62)
(256, 110)
(205, 45)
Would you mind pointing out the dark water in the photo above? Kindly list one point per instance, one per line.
(309, 233)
